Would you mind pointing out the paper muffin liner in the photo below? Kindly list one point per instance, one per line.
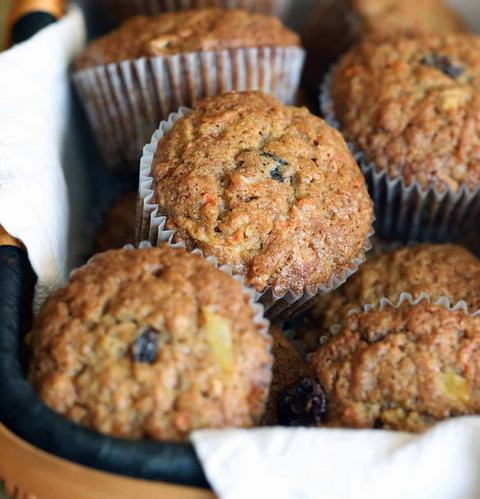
(151, 227)
(383, 303)
(409, 212)
(386, 302)
(123, 9)
(124, 101)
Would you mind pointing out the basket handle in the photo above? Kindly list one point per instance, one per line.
(28, 17)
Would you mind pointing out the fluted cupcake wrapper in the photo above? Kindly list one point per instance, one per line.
(409, 212)
(123, 9)
(384, 302)
(151, 226)
(125, 101)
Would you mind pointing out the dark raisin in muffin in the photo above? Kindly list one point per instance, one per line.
(151, 343)
(336, 25)
(269, 189)
(287, 368)
(411, 105)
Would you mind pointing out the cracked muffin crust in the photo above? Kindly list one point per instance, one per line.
(118, 228)
(269, 189)
(287, 368)
(151, 343)
(403, 369)
(187, 31)
(412, 105)
(438, 270)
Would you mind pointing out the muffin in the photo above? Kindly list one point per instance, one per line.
(132, 78)
(437, 270)
(152, 343)
(410, 106)
(118, 228)
(401, 369)
(268, 189)
(287, 368)
(123, 9)
(335, 25)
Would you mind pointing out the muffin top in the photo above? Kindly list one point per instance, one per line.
(287, 368)
(269, 189)
(401, 369)
(438, 270)
(388, 16)
(187, 31)
(118, 228)
(151, 343)
(412, 105)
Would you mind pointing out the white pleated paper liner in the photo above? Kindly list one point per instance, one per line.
(151, 227)
(123, 9)
(124, 101)
(409, 213)
(383, 303)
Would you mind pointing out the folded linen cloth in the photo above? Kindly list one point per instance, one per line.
(301, 463)
(37, 195)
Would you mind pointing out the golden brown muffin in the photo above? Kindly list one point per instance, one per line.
(412, 106)
(402, 369)
(118, 228)
(187, 31)
(151, 343)
(438, 270)
(335, 25)
(269, 189)
(287, 368)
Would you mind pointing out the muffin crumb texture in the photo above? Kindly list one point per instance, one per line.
(151, 343)
(437, 270)
(412, 105)
(401, 369)
(269, 189)
(187, 31)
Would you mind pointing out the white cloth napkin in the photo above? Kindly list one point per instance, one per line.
(35, 139)
(287, 463)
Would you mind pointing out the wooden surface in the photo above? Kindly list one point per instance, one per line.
(49, 477)
(4, 11)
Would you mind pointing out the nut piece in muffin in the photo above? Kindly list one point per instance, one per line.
(411, 105)
(335, 25)
(151, 343)
(187, 31)
(287, 368)
(401, 369)
(269, 189)
(437, 270)
(118, 228)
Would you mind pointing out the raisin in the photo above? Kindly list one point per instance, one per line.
(278, 160)
(145, 346)
(443, 64)
(276, 175)
(274, 172)
(304, 405)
